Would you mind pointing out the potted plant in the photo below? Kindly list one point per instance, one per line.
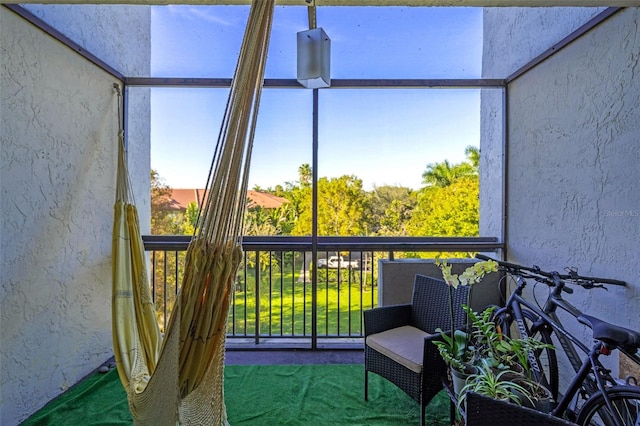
(485, 338)
(517, 351)
(481, 346)
(489, 362)
(503, 363)
(496, 384)
(454, 346)
(541, 397)
(484, 346)
(498, 350)
(455, 352)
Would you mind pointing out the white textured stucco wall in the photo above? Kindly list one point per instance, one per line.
(511, 38)
(491, 162)
(574, 124)
(115, 34)
(58, 129)
(121, 37)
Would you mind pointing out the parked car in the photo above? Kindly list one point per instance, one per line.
(335, 262)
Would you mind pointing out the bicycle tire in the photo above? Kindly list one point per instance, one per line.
(545, 358)
(626, 401)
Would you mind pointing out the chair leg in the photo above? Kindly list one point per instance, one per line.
(422, 412)
(452, 413)
(366, 385)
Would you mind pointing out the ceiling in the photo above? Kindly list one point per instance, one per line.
(459, 3)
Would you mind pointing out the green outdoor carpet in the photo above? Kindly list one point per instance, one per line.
(263, 395)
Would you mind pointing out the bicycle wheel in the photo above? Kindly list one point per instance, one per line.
(626, 405)
(546, 359)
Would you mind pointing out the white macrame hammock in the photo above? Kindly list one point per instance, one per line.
(178, 379)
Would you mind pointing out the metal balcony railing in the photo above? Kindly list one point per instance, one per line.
(298, 291)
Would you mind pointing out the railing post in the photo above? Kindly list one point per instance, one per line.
(164, 291)
(314, 223)
(257, 293)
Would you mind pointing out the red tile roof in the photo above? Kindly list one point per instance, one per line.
(264, 200)
(181, 198)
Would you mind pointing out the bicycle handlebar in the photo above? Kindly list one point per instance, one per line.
(586, 282)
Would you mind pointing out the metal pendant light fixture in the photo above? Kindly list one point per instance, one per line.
(314, 56)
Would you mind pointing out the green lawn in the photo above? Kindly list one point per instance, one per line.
(286, 304)
(285, 294)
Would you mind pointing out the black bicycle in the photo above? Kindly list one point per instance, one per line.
(593, 397)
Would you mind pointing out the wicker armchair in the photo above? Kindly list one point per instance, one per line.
(485, 411)
(398, 339)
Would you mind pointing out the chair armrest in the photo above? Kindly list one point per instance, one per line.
(434, 369)
(432, 358)
(385, 318)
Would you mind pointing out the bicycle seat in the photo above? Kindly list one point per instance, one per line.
(613, 334)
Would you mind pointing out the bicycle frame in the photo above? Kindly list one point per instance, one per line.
(547, 317)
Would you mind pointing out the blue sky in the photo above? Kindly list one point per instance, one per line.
(383, 136)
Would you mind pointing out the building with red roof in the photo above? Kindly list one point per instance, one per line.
(181, 198)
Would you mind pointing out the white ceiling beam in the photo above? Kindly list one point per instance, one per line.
(460, 3)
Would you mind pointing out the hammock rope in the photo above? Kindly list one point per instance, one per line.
(180, 378)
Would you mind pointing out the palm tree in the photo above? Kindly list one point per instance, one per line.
(473, 156)
(304, 171)
(444, 174)
(438, 174)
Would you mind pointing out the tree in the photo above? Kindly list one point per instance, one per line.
(390, 208)
(449, 205)
(395, 217)
(448, 212)
(473, 156)
(342, 207)
(160, 201)
(260, 221)
(444, 174)
(299, 195)
(305, 173)
(164, 220)
(191, 217)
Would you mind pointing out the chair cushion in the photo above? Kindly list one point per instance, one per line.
(404, 345)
